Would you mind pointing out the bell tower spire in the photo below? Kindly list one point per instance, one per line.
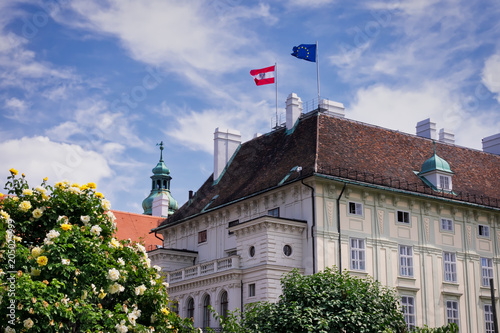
(160, 190)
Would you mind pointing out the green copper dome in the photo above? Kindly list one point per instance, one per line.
(435, 163)
(161, 169)
(160, 185)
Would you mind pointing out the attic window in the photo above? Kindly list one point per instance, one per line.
(444, 182)
(274, 212)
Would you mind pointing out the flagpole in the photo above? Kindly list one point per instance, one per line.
(276, 68)
(317, 70)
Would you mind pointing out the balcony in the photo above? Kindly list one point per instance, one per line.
(205, 268)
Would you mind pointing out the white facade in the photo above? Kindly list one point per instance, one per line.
(437, 251)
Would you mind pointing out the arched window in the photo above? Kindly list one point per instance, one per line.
(223, 304)
(190, 308)
(175, 306)
(206, 311)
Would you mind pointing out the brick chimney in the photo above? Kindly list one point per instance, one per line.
(226, 142)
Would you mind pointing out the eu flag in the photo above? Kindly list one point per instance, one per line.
(305, 51)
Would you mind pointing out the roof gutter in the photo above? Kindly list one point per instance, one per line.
(386, 188)
(228, 204)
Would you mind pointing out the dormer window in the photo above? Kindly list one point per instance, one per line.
(436, 173)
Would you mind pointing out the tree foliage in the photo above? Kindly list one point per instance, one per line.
(328, 301)
(61, 269)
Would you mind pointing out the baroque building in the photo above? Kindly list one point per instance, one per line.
(415, 212)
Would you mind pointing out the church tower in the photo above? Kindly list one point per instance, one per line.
(160, 202)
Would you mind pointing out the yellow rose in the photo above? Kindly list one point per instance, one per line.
(13, 171)
(91, 185)
(42, 260)
(37, 213)
(66, 227)
(5, 215)
(99, 195)
(45, 179)
(1, 195)
(27, 191)
(25, 206)
(164, 311)
(36, 251)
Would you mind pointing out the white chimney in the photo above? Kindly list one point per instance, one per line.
(333, 108)
(226, 142)
(491, 144)
(426, 129)
(446, 136)
(160, 205)
(293, 110)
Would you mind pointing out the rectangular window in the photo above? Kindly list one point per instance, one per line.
(447, 224)
(274, 212)
(251, 290)
(355, 208)
(202, 236)
(483, 231)
(408, 306)
(488, 318)
(450, 266)
(403, 217)
(358, 254)
(444, 182)
(452, 312)
(486, 271)
(405, 260)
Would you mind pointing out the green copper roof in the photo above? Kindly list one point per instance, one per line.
(435, 163)
(161, 169)
(147, 204)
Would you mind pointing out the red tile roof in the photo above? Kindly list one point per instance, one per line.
(137, 227)
(342, 148)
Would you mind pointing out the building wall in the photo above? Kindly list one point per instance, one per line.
(383, 234)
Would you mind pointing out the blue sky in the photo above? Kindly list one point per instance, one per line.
(87, 88)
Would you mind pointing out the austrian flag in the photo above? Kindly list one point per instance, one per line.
(263, 76)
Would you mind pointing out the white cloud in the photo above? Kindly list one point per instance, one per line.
(195, 130)
(401, 109)
(93, 125)
(309, 3)
(148, 31)
(491, 75)
(39, 157)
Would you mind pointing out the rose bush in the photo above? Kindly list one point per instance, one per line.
(62, 270)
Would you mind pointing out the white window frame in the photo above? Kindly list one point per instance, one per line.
(358, 254)
(486, 271)
(404, 216)
(447, 224)
(406, 260)
(488, 319)
(358, 208)
(483, 231)
(452, 312)
(450, 266)
(251, 290)
(408, 307)
(446, 184)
